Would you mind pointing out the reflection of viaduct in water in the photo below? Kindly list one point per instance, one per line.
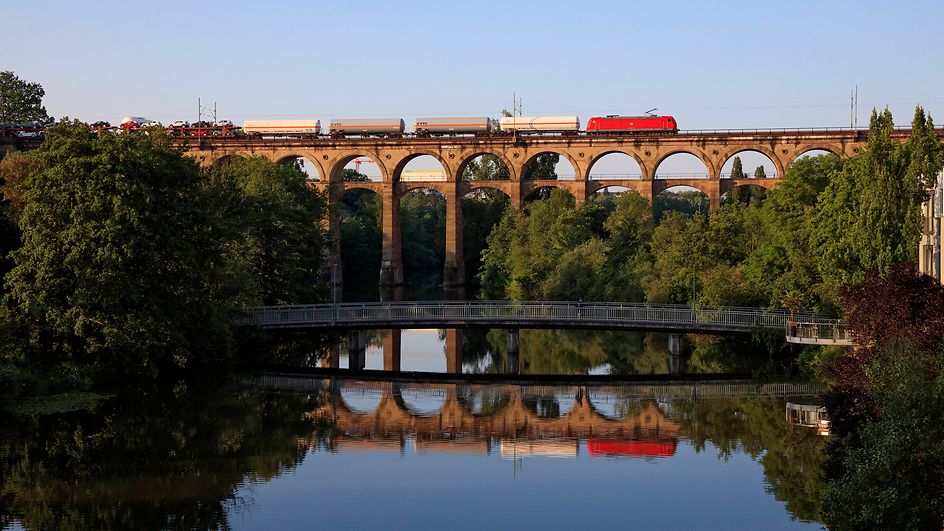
(515, 413)
(528, 419)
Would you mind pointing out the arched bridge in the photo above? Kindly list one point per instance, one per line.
(511, 314)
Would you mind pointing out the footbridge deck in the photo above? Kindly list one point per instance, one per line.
(509, 314)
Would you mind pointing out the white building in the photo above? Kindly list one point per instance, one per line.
(930, 259)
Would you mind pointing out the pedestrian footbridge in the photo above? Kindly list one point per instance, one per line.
(524, 314)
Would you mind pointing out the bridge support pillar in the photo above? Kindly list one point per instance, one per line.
(334, 274)
(391, 261)
(713, 191)
(454, 273)
(356, 350)
(512, 341)
(391, 349)
(454, 351)
(676, 350)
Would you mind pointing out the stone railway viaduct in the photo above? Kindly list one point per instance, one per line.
(518, 153)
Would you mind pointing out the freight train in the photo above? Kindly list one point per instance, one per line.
(396, 127)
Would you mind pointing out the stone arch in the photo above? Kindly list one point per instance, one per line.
(402, 163)
(697, 153)
(224, 159)
(596, 158)
(606, 188)
(417, 405)
(485, 186)
(803, 151)
(467, 159)
(357, 402)
(525, 168)
(315, 164)
(337, 167)
(775, 161)
(354, 185)
(702, 185)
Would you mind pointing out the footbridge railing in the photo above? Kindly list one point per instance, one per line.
(668, 317)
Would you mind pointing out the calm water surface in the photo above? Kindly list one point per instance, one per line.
(303, 452)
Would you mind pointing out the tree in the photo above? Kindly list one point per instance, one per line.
(870, 213)
(21, 101)
(269, 221)
(543, 167)
(117, 263)
(737, 170)
(486, 168)
(759, 172)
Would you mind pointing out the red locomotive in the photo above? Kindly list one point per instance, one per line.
(617, 448)
(632, 124)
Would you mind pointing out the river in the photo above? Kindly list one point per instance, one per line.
(547, 429)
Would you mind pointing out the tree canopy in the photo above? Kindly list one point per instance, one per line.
(21, 101)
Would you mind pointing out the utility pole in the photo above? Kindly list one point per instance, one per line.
(854, 107)
(936, 230)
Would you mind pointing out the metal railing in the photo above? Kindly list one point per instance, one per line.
(819, 333)
(505, 313)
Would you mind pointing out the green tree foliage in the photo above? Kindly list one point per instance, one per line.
(783, 264)
(486, 168)
(556, 251)
(423, 236)
(759, 172)
(269, 220)
(21, 101)
(887, 461)
(117, 260)
(360, 214)
(482, 210)
(870, 213)
(543, 167)
(737, 169)
(892, 477)
(688, 203)
(134, 260)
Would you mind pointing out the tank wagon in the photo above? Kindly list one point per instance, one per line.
(282, 127)
(367, 127)
(452, 126)
(631, 124)
(555, 124)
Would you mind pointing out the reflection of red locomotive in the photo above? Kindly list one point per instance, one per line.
(632, 124)
(618, 448)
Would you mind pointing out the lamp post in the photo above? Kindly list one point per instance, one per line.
(334, 293)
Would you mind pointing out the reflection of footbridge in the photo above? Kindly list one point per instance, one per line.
(510, 411)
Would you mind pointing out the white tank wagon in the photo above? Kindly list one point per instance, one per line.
(415, 176)
(452, 126)
(367, 126)
(540, 123)
(282, 127)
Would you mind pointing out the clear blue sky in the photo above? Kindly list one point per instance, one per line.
(711, 64)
